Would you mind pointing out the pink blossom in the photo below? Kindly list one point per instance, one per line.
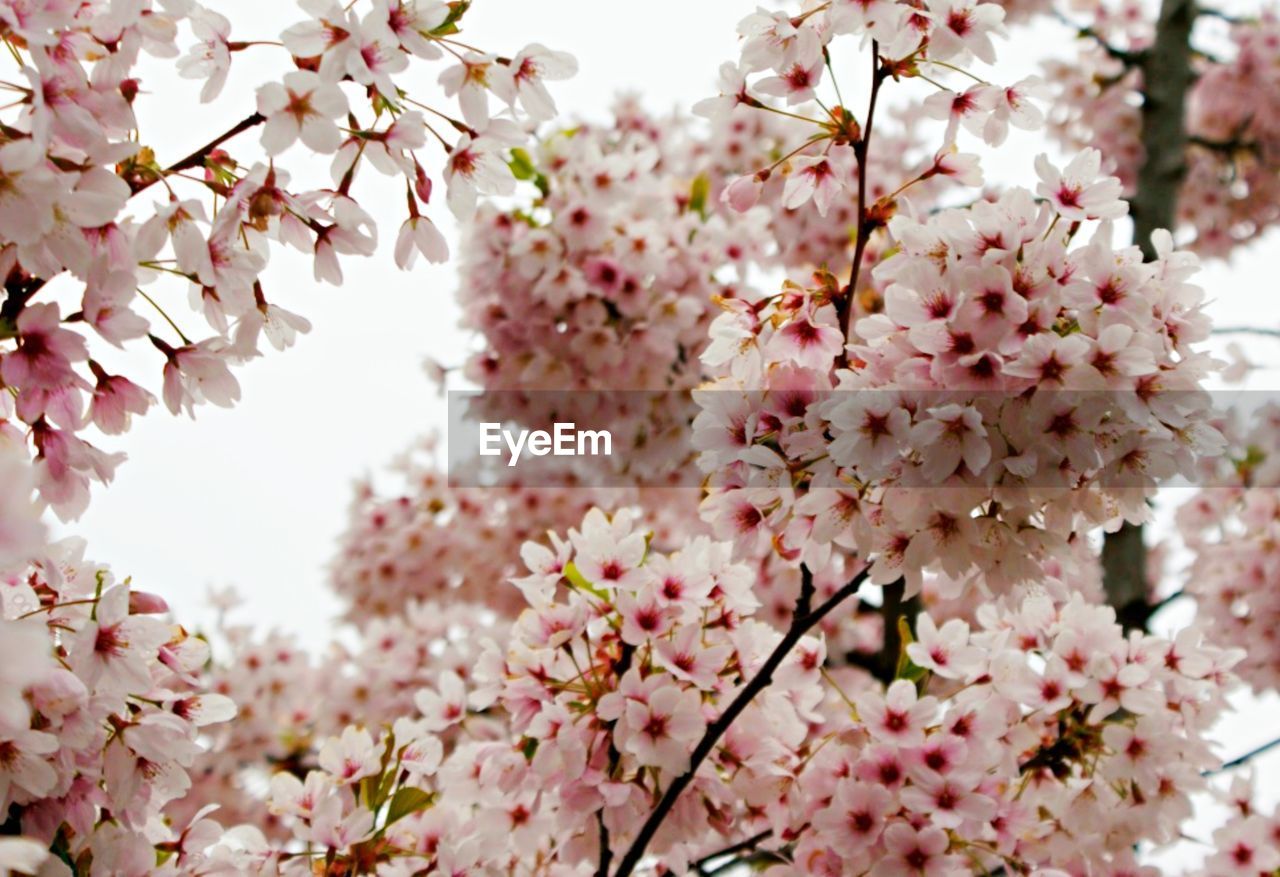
(661, 731)
(302, 108)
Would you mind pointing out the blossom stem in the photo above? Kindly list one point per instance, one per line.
(52, 606)
(767, 108)
(973, 76)
(167, 318)
(802, 621)
(826, 57)
(932, 82)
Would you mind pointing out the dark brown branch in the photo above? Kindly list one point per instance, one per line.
(1128, 58)
(606, 851)
(892, 609)
(801, 623)
(140, 180)
(197, 158)
(861, 150)
(741, 846)
(759, 857)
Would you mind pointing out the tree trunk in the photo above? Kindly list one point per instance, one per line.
(1166, 78)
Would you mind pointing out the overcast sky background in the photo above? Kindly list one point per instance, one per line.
(256, 496)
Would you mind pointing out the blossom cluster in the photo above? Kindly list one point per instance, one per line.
(604, 279)
(1229, 192)
(295, 700)
(433, 541)
(1015, 390)
(1053, 742)
(1231, 528)
(604, 684)
(1041, 738)
(103, 710)
(74, 168)
(456, 547)
(1248, 844)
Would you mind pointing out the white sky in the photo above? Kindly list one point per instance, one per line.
(256, 496)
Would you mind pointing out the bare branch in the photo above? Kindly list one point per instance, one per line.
(1244, 759)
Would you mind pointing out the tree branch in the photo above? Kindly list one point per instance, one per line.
(196, 159)
(861, 150)
(22, 288)
(606, 851)
(801, 623)
(1244, 759)
(1245, 330)
(1130, 59)
(893, 608)
(740, 847)
(1166, 78)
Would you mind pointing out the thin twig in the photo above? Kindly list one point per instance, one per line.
(1246, 330)
(1243, 759)
(1083, 31)
(802, 622)
(741, 846)
(861, 150)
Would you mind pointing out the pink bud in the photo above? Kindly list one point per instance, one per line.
(142, 603)
(421, 183)
(743, 193)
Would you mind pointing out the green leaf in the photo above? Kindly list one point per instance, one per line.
(908, 669)
(529, 746)
(407, 800)
(523, 168)
(379, 787)
(521, 165)
(450, 24)
(576, 580)
(698, 194)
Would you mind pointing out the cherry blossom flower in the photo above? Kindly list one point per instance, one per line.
(522, 79)
(420, 235)
(660, 731)
(821, 178)
(302, 108)
(210, 59)
(1077, 192)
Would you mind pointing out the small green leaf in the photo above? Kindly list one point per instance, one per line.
(450, 24)
(576, 580)
(521, 165)
(407, 800)
(523, 168)
(908, 669)
(698, 194)
(529, 746)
